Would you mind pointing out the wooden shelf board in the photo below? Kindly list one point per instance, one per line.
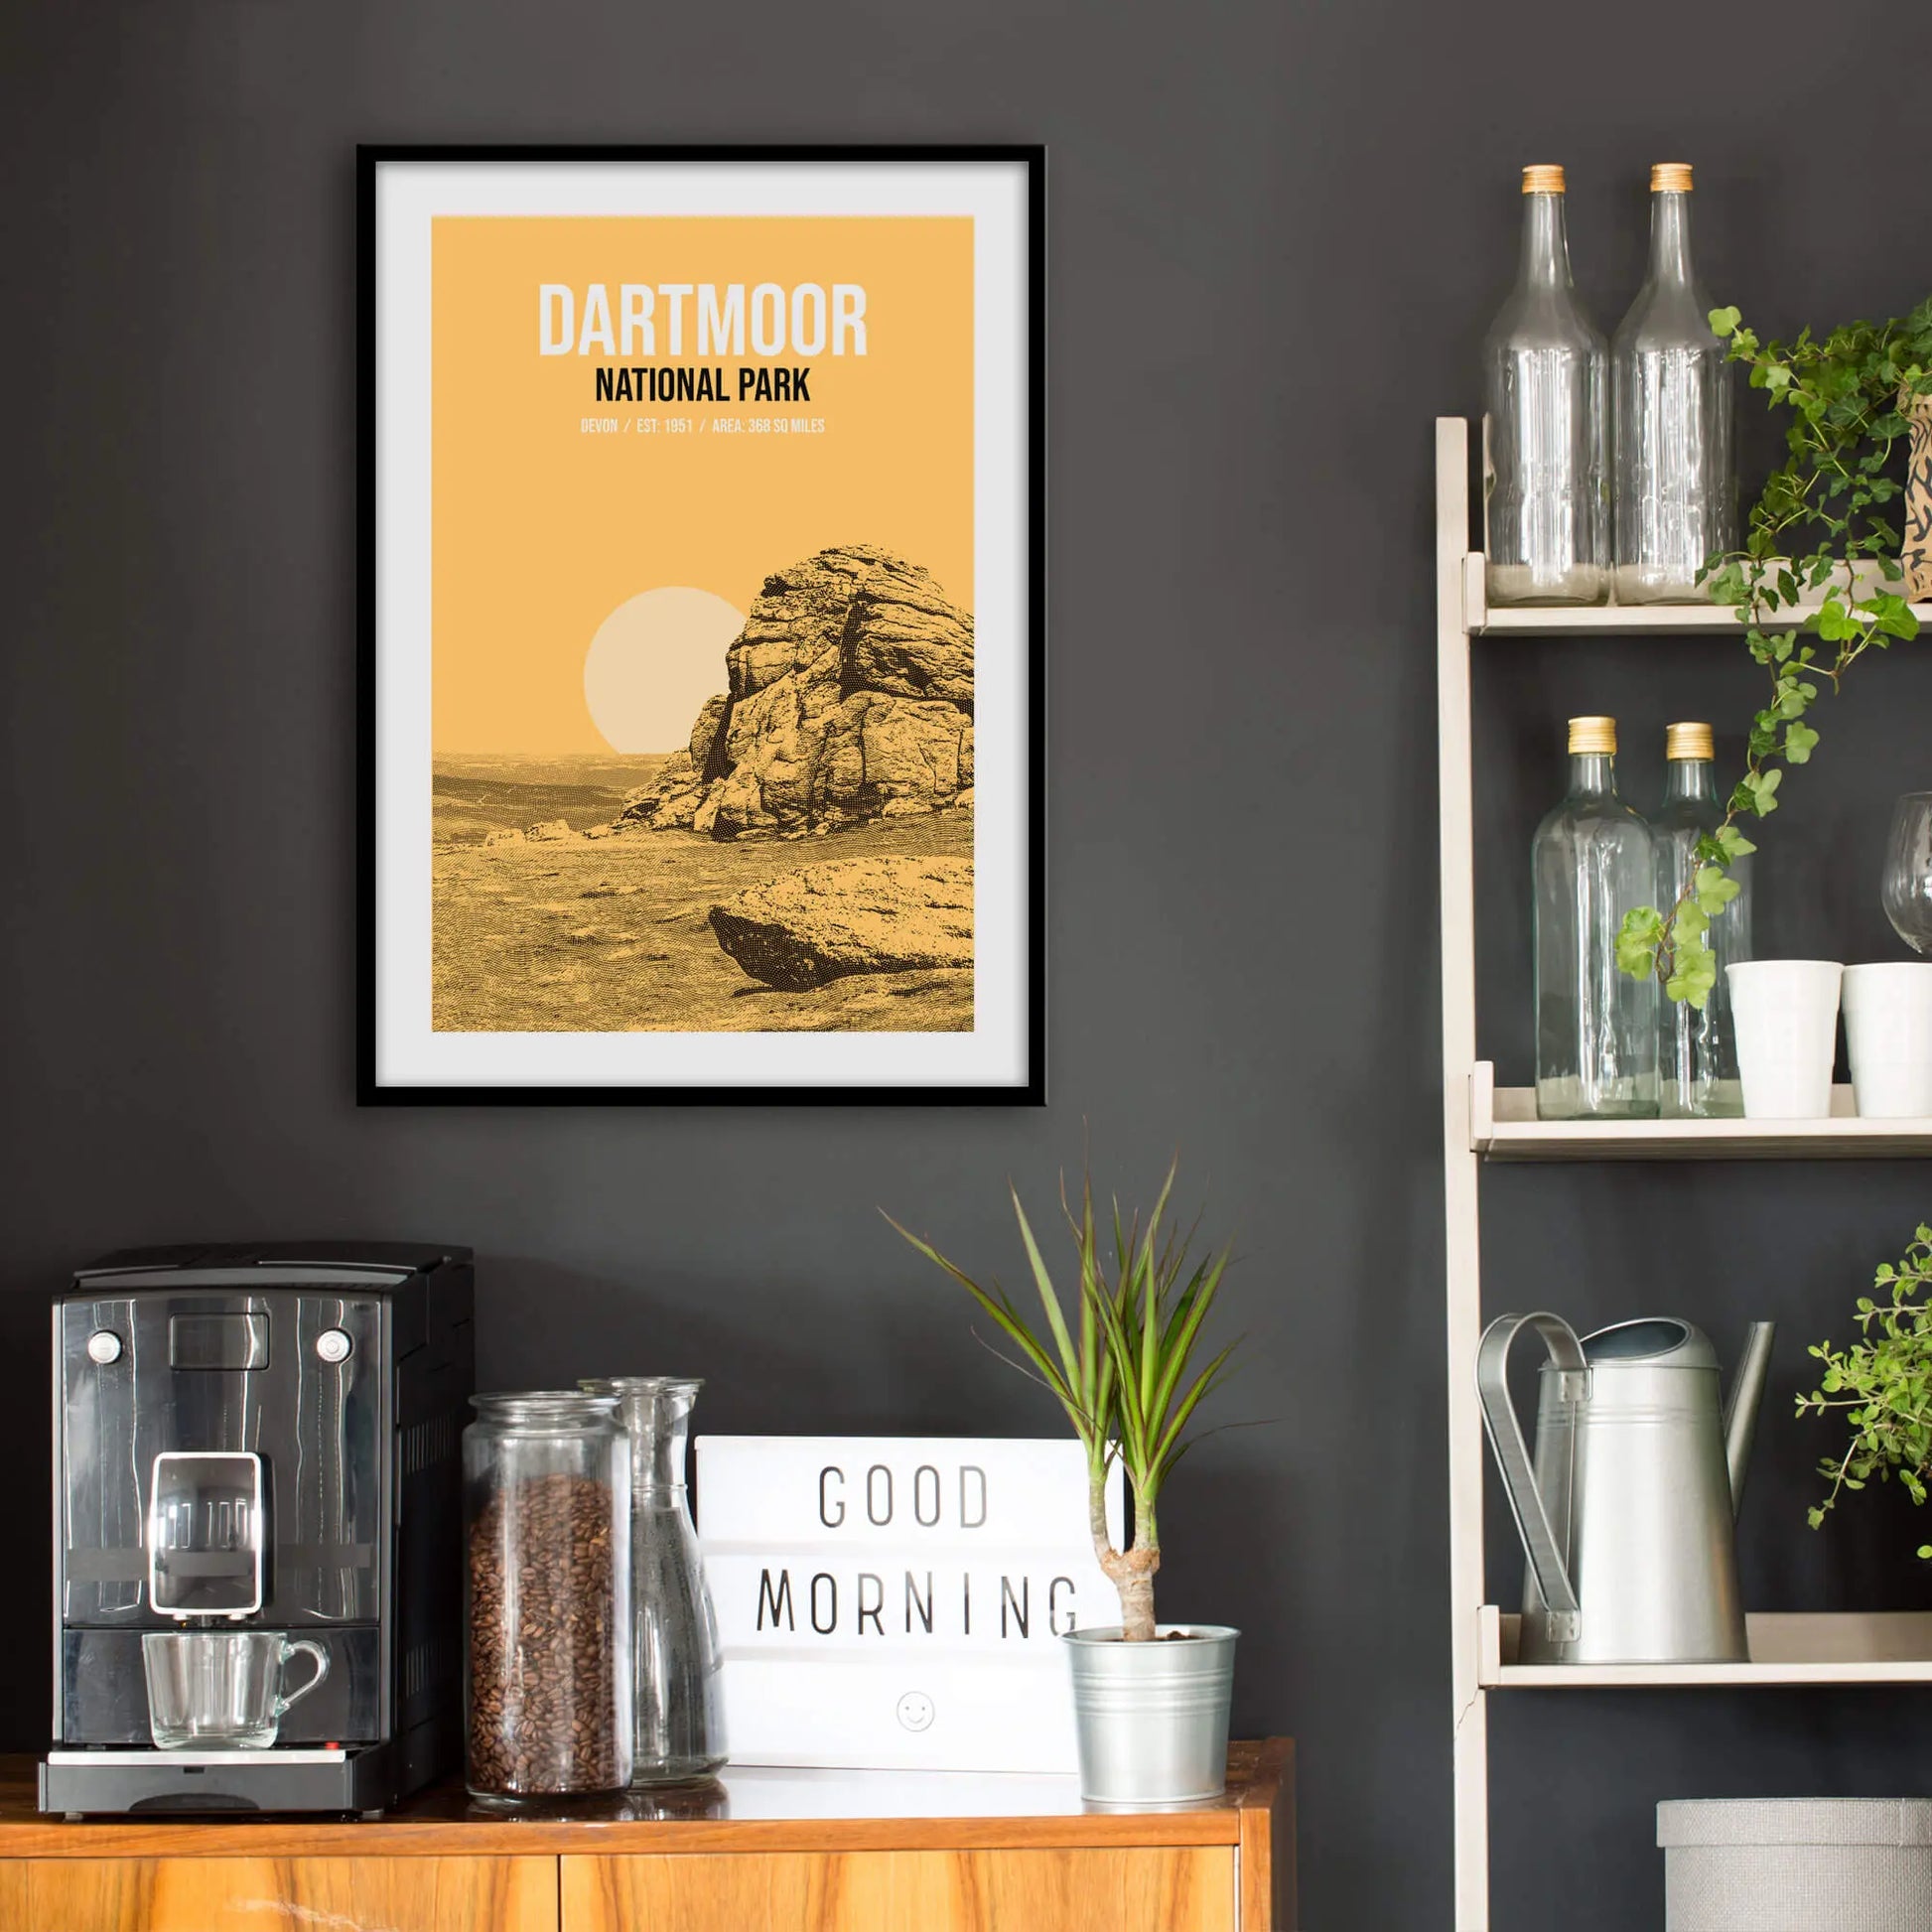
(1503, 1127)
(1486, 619)
(751, 1809)
(1787, 1648)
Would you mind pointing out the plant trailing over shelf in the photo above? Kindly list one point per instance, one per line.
(1883, 1383)
(1119, 1365)
(1851, 396)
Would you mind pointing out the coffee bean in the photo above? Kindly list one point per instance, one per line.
(543, 1638)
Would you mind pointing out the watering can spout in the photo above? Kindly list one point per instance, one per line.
(1746, 1398)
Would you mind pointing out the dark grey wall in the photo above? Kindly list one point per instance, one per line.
(1277, 235)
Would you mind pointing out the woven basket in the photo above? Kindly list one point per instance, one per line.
(1917, 554)
(1797, 1864)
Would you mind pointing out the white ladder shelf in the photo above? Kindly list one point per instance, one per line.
(1481, 1120)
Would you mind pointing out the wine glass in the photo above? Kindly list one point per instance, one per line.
(1908, 890)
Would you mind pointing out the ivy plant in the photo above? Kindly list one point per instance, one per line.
(1882, 1383)
(1850, 396)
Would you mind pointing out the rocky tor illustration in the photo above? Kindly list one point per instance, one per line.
(850, 699)
(805, 862)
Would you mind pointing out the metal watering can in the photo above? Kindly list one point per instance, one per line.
(1626, 1518)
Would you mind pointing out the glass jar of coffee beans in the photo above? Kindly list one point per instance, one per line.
(546, 1483)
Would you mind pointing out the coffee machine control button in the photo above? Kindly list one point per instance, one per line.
(333, 1346)
(104, 1346)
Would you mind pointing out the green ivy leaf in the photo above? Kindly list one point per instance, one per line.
(1726, 583)
(1834, 622)
(1725, 321)
(1695, 971)
(1798, 741)
(1892, 615)
(1638, 941)
(1714, 889)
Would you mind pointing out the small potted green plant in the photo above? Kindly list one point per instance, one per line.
(1119, 1354)
(1883, 1384)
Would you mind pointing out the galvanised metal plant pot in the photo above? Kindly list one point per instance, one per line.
(1153, 1718)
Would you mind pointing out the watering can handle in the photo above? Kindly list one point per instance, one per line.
(1540, 1542)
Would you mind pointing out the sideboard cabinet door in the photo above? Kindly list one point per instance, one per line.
(1160, 1888)
(197, 1895)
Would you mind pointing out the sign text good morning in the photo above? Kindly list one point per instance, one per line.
(899, 1602)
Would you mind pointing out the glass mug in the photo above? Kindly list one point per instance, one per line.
(220, 1690)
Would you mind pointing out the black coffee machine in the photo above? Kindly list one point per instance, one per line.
(260, 1438)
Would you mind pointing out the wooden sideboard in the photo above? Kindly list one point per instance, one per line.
(765, 1852)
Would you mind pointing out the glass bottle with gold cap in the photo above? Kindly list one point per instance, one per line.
(1699, 1049)
(1596, 1028)
(1546, 424)
(1672, 400)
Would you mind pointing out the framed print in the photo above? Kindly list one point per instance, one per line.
(702, 600)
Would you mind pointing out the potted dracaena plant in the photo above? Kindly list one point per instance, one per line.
(1121, 1353)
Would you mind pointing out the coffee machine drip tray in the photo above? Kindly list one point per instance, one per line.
(275, 1754)
(282, 1779)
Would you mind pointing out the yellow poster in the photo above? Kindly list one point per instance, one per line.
(701, 622)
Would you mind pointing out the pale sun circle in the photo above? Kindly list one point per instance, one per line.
(653, 662)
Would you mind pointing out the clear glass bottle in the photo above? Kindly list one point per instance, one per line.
(1672, 402)
(1591, 863)
(1546, 424)
(546, 1507)
(678, 1726)
(1699, 1049)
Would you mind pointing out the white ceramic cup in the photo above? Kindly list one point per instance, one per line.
(1785, 1013)
(1889, 1034)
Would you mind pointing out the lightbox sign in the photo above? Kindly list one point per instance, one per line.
(898, 1602)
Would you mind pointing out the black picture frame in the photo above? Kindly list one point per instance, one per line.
(1031, 1090)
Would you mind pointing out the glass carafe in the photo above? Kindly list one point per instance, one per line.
(1546, 424)
(1699, 1071)
(678, 1729)
(1595, 1027)
(1676, 498)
